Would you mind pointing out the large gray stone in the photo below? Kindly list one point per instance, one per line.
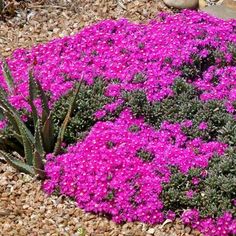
(182, 4)
(221, 12)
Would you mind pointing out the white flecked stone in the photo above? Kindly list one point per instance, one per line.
(151, 231)
(182, 4)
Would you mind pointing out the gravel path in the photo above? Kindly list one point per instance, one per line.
(24, 208)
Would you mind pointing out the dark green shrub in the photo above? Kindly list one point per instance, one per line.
(145, 155)
(186, 105)
(89, 100)
(212, 196)
(37, 139)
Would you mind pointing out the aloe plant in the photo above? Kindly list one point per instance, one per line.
(39, 142)
(1, 6)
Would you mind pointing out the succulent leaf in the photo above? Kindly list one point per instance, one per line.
(19, 165)
(57, 148)
(48, 134)
(38, 165)
(13, 122)
(38, 138)
(44, 98)
(13, 113)
(32, 96)
(7, 75)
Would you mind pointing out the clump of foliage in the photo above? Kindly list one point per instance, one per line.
(185, 105)
(36, 141)
(90, 99)
(145, 155)
(212, 190)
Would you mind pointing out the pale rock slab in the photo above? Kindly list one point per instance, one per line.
(225, 11)
(182, 4)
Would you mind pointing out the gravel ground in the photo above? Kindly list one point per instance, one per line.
(37, 23)
(24, 208)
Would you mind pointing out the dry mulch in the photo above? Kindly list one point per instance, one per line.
(37, 23)
(25, 210)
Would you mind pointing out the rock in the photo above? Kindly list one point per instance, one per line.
(181, 4)
(151, 231)
(230, 4)
(187, 230)
(221, 12)
(205, 3)
(23, 232)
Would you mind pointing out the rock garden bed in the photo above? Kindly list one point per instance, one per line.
(130, 124)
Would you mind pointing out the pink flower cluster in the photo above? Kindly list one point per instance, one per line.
(219, 84)
(126, 51)
(222, 226)
(105, 174)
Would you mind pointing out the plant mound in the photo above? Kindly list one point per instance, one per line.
(120, 172)
(153, 132)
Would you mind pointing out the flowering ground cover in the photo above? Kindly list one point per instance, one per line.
(153, 132)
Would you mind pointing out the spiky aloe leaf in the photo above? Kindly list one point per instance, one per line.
(48, 134)
(44, 100)
(32, 96)
(28, 147)
(18, 137)
(3, 93)
(7, 75)
(13, 122)
(2, 116)
(17, 164)
(7, 114)
(38, 138)
(38, 165)
(26, 136)
(7, 144)
(13, 113)
(58, 146)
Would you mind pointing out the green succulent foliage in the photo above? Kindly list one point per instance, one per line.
(145, 155)
(90, 99)
(110, 195)
(174, 193)
(212, 196)
(30, 143)
(227, 133)
(200, 64)
(232, 50)
(1, 6)
(186, 105)
(134, 128)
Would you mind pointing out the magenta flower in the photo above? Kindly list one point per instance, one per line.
(3, 124)
(190, 194)
(187, 123)
(195, 181)
(99, 114)
(203, 126)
